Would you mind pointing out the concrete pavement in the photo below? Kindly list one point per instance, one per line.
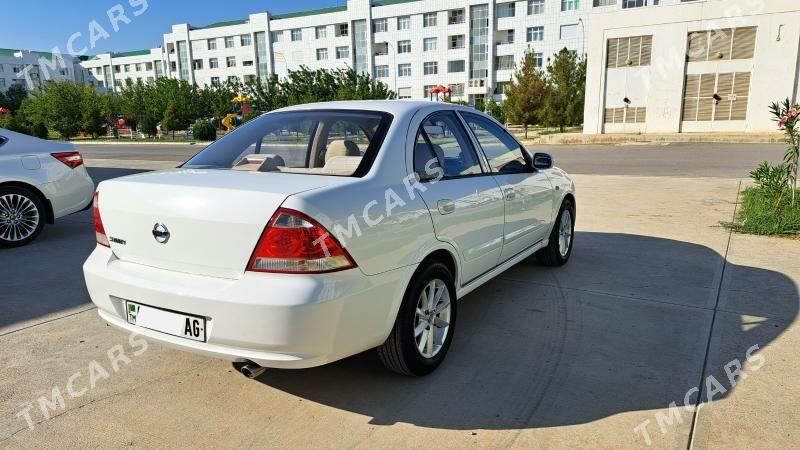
(657, 298)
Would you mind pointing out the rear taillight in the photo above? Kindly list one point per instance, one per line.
(296, 243)
(99, 231)
(71, 159)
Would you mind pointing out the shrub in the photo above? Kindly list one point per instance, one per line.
(204, 131)
(771, 179)
(40, 130)
(148, 126)
(13, 122)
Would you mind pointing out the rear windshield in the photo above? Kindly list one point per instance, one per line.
(320, 142)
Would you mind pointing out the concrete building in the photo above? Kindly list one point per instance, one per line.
(23, 67)
(411, 45)
(704, 66)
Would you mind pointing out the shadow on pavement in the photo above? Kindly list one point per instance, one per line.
(46, 276)
(549, 353)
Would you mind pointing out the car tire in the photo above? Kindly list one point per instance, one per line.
(22, 216)
(419, 340)
(559, 247)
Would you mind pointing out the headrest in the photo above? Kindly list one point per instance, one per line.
(341, 147)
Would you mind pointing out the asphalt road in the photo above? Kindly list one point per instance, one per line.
(683, 160)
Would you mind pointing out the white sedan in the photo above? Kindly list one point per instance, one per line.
(319, 231)
(40, 181)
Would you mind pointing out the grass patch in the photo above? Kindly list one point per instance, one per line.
(758, 215)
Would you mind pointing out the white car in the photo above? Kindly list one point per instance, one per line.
(319, 231)
(40, 181)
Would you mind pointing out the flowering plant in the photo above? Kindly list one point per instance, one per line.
(788, 117)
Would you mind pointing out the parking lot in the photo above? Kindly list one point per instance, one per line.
(607, 352)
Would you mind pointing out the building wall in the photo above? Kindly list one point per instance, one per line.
(661, 86)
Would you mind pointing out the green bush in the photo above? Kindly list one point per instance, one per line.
(204, 131)
(148, 126)
(13, 122)
(252, 114)
(40, 130)
(761, 212)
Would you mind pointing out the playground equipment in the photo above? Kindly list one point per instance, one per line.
(434, 93)
(240, 109)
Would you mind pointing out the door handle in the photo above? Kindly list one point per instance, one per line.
(511, 194)
(446, 206)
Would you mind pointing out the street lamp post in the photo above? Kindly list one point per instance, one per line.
(583, 37)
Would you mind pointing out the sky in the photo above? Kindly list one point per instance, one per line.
(43, 24)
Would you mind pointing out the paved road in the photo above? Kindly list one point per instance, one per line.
(686, 160)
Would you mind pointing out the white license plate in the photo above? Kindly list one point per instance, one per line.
(177, 324)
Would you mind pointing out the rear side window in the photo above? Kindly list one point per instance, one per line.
(502, 151)
(441, 144)
(2, 141)
(320, 142)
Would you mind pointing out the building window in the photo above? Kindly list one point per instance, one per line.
(456, 90)
(248, 63)
(732, 91)
(505, 62)
(229, 42)
(211, 44)
(214, 80)
(455, 66)
(538, 60)
(148, 66)
(230, 61)
(233, 79)
(342, 29)
(568, 31)
(404, 93)
(277, 36)
(426, 90)
(505, 10)
(570, 5)
(597, 3)
(245, 40)
(535, 7)
(197, 64)
(379, 26)
(137, 66)
(535, 34)
(633, 51)
(297, 34)
(722, 44)
(506, 37)
(404, 23)
(455, 16)
(321, 32)
(456, 42)
(404, 70)
(501, 87)
(342, 52)
(430, 68)
(429, 19)
(630, 114)
(381, 71)
(127, 67)
(640, 3)
(429, 44)
(403, 46)
(213, 63)
(322, 54)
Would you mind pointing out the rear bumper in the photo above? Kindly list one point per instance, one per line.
(275, 320)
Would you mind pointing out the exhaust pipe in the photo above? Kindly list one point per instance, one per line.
(252, 370)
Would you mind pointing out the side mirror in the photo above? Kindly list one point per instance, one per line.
(542, 161)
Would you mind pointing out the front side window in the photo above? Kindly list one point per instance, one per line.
(502, 151)
(442, 148)
(317, 142)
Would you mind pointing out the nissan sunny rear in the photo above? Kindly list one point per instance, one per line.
(323, 230)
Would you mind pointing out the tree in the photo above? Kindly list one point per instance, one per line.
(172, 120)
(496, 110)
(3, 100)
(526, 95)
(93, 112)
(148, 126)
(566, 78)
(57, 105)
(132, 100)
(267, 94)
(15, 95)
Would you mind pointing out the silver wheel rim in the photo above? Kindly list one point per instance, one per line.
(565, 233)
(19, 217)
(432, 320)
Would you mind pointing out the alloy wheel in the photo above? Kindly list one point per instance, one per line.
(565, 233)
(432, 320)
(19, 217)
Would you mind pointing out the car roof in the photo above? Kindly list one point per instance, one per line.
(394, 107)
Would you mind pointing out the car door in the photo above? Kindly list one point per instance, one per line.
(464, 200)
(527, 192)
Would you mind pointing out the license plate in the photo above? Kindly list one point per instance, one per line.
(171, 322)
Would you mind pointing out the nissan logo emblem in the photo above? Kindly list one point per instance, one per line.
(161, 233)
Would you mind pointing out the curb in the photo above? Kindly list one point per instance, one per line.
(123, 142)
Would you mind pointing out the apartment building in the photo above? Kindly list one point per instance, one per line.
(471, 46)
(712, 66)
(23, 66)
